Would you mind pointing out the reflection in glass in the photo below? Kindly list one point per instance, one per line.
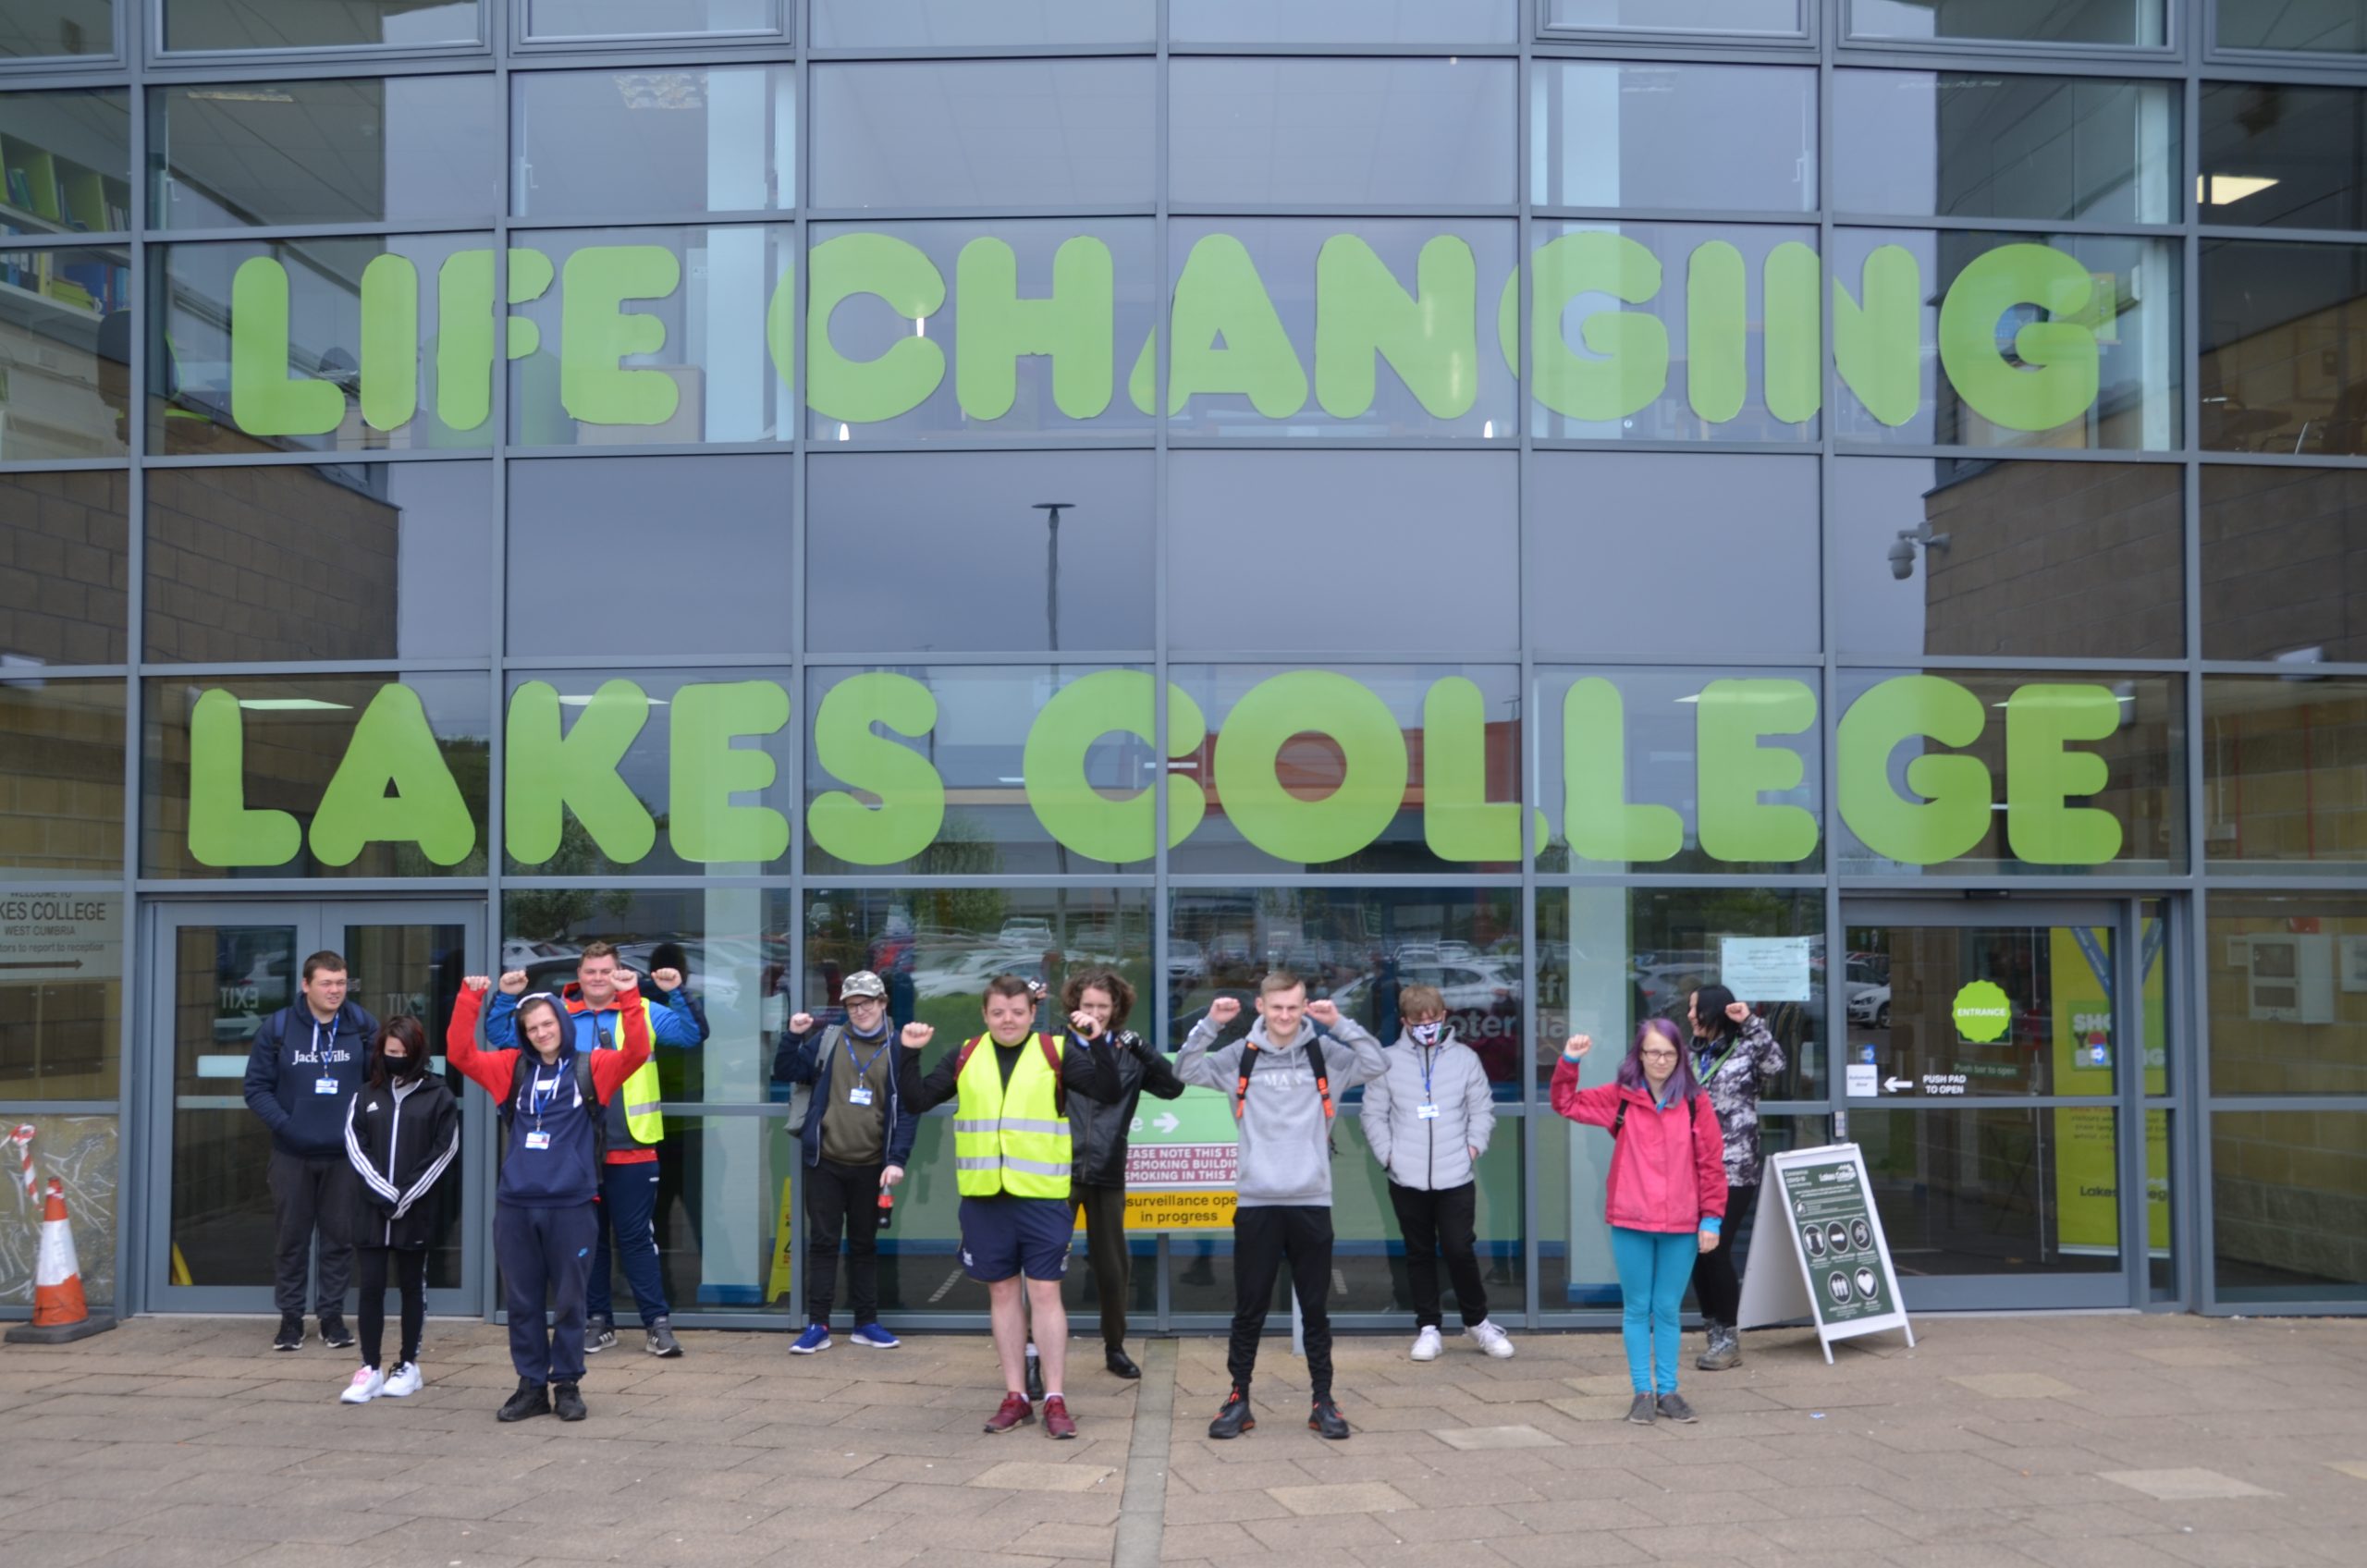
(2282, 577)
(67, 534)
(1342, 21)
(85, 1151)
(2283, 363)
(2288, 979)
(652, 18)
(700, 295)
(345, 562)
(1976, 144)
(359, 150)
(1405, 132)
(1030, 134)
(2024, 1193)
(65, 354)
(1455, 383)
(619, 143)
(2139, 22)
(1633, 133)
(35, 28)
(2326, 27)
(225, 981)
(2284, 1184)
(1238, 521)
(1379, 768)
(61, 777)
(1652, 523)
(404, 398)
(721, 1186)
(2032, 559)
(239, 24)
(64, 160)
(1780, 17)
(914, 24)
(949, 541)
(2281, 773)
(963, 789)
(2283, 156)
(713, 577)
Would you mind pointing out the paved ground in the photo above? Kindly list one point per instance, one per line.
(2080, 1442)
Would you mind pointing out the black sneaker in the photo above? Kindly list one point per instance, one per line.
(569, 1402)
(1641, 1412)
(292, 1333)
(1235, 1418)
(333, 1333)
(532, 1399)
(1034, 1379)
(661, 1339)
(1674, 1408)
(1325, 1421)
(599, 1334)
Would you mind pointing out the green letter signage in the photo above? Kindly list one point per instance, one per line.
(995, 326)
(911, 795)
(1227, 337)
(1631, 365)
(863, 391)
(222, 831)
(2041, 774)
(1372, 785)
(2061, 384)
(1954, 815)
(1874, 346)
(1733, 770)
(597, 334)
(544, 771)
(1362, 311)
(393, 787)
(707, 770)
(1108, 702)
(1458, 820)
(1596, 817)
(262, 399)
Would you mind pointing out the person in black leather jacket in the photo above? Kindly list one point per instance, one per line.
(1098, 1005)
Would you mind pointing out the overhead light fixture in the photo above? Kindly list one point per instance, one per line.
(2226, 189)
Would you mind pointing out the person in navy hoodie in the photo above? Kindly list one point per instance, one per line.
(544, 1226)
(305, 1064)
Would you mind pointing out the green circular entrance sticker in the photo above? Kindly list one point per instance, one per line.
(1984, 1011)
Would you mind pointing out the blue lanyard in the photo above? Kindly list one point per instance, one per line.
(536, 1104)
(1428, 1062)
(862, 1067)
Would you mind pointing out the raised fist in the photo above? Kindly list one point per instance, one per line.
(1578, 1046)
(513, 982)
(1223, 1011)
(918, 1035)
(1086, 1024)
(1323, 1012)
(479, 983)
(801, 1023)
(1738, 1012)
(666, 979)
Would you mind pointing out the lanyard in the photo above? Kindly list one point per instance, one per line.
(1429, 1061)
(1724, 1058)
(536, 1104)
(862, 1067)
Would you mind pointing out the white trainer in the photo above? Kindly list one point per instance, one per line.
(1492, 1339)
(1426, 1344)
(403, 1380)
(367, 1385)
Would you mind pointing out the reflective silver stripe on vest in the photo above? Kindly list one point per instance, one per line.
(962, 1126)
(988, 1162)
(1015, 1124)
(634, 1107)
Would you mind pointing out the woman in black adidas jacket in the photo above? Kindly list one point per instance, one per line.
(402, 1131)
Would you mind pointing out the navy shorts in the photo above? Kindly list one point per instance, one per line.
(1002, 1236)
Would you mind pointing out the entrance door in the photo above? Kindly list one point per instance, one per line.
(2004, 1074)
(221, 969)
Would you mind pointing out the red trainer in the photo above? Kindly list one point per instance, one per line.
(1015, 1412)
(1058, 1422)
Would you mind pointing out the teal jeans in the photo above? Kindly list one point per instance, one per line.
(1653, 1271)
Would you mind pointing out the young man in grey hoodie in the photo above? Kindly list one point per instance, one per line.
(1284, 1085)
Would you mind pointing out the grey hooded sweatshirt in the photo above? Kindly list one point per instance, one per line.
(1285, 1145)
(1430, 1153)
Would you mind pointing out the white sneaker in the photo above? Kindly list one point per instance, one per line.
(367, 1385)
(1492, 1339)
(1426, 1344)
(403, 1381)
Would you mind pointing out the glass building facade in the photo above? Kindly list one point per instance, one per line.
(1562, 500)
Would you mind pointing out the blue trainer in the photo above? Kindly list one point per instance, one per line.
(817, 1337)
(875, 1337)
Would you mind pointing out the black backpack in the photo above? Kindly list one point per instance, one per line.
(1692, 1115)
(522, 1072)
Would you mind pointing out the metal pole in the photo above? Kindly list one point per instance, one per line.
(1052, 510)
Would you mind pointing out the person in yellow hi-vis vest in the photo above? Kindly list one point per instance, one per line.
(1011, 1156)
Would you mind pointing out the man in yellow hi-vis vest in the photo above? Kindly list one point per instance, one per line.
(1011, 1156)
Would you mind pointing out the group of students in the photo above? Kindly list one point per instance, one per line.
(1040, 1135)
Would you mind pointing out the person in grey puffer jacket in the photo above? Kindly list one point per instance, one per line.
(1429, 1118)
(1284, 1081)
(1733, 1053)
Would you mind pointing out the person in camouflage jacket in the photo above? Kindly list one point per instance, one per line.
(1733, 1054)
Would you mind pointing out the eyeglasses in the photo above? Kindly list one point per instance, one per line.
(1658, 1056)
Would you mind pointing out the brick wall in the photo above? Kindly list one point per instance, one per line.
(269, 563)
(61, 790)
(64, 575)
(2284, 562)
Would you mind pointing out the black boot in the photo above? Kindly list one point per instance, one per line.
(568, 1401)
(1325, 1420)
(1233, 1417)
(532, 1399)
(1121, 1364)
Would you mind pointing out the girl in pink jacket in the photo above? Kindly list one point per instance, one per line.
(1665, 1199)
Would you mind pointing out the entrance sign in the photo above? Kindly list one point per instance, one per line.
(1842, 1282)
(1182, 1158)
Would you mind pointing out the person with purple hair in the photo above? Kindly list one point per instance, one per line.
(1665, 1199)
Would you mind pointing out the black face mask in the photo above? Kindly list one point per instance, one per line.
(402, 1068)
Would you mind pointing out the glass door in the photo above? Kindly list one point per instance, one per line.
(221, 970)
(2000, 1057)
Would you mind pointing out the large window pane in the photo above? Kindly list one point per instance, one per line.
(621, 143)
(2285, 773)
(65, 354)
(1995, 1191)
(973, 770)
(1630, 133)
(35, 28)
(349, 561)
(1629, 769)
(2288, 978)
(1342, 21)
(82, 1152)
(2284, 347)
(692, 336)
(984, 133)
(606, 558)
(2032, 559)
(2286, 1188)
(839, 24)
(937, 550)
(360, 150)
(64, 160)
(872, 291)
(2283, 156)
(655, 18)
(1241, 524)
(2015, 21)
(61, 778)
(1780, 17)
(248, 776)
(1997, 367)
(1909, 803)
(1975, 144)
(2327, 26)
(1588, 526)
(1345, 361)
(1406, 132)
(303, 375)
(2283, 574)
(1378, 769)
(724, 1192)
(65, 569)
(241, 24)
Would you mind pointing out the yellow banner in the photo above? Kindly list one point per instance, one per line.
(784, 1246)
(2087, 1169)
(1179, 1211)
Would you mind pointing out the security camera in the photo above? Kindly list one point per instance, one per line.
(1902, 558)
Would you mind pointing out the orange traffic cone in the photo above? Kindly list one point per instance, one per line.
(60, 1315)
